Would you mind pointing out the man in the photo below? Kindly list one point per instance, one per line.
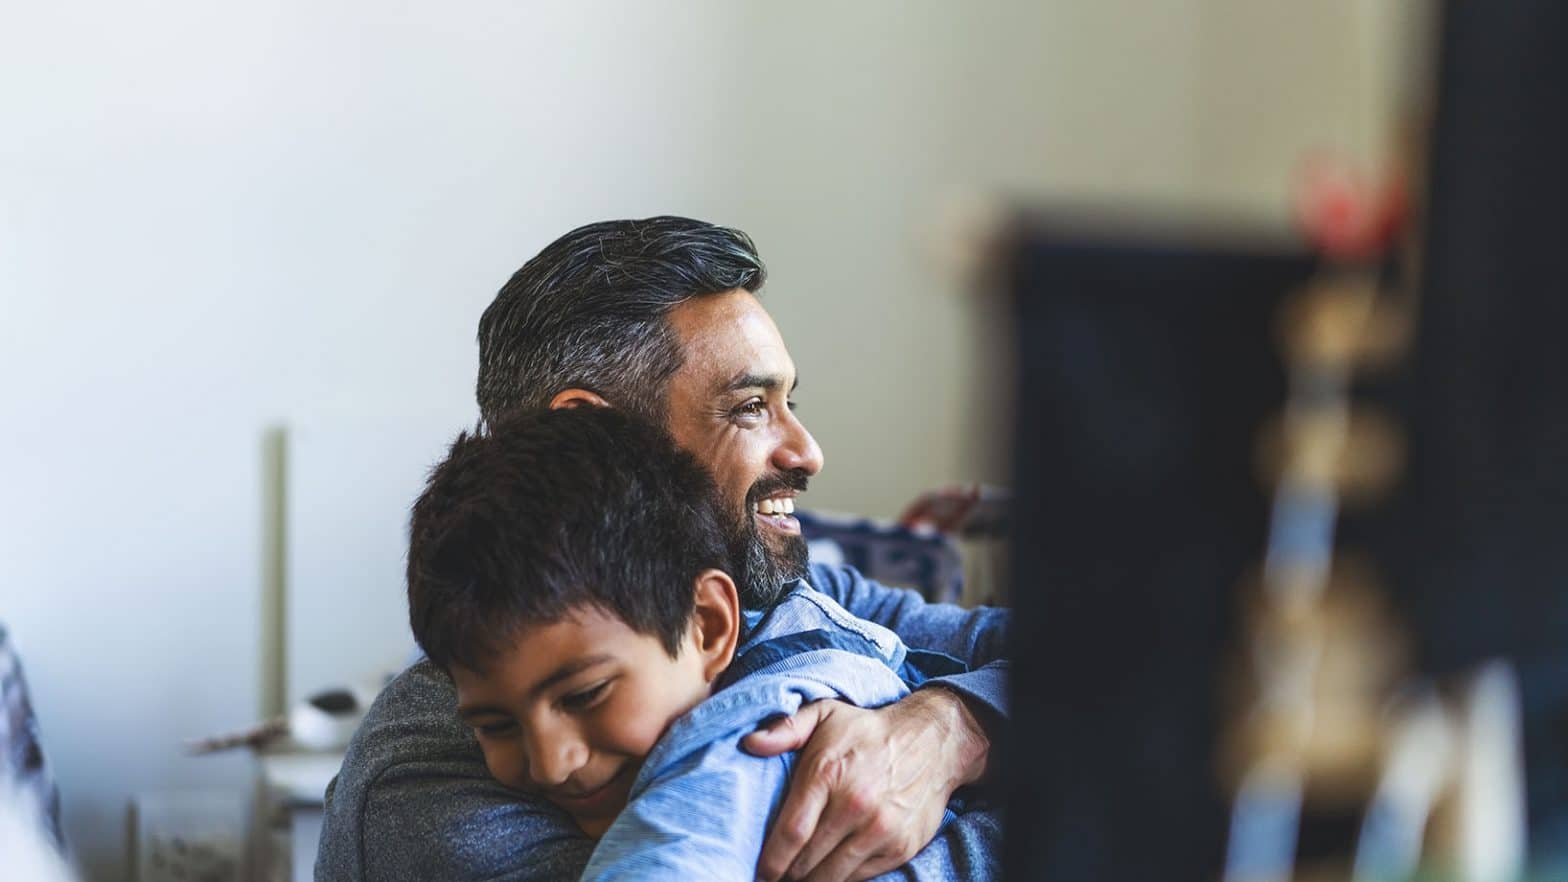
(659, 317)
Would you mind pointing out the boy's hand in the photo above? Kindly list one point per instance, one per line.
(870, 787)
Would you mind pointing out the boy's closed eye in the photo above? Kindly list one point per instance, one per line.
(582, 699)
(585, 698)
(493, 728)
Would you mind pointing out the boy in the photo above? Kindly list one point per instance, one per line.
(569, 572)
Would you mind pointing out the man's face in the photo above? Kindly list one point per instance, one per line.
(729, 405)
(570, 711)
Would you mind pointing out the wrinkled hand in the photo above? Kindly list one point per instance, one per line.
(870, 786)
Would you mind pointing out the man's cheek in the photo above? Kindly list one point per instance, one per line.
(735, 480)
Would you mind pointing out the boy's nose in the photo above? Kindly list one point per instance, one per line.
(552, 761)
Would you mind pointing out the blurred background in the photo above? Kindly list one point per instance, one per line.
(235, 238)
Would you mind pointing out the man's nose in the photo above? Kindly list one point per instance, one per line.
(553, 758)
(797, 450)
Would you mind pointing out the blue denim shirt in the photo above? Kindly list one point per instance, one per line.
(415, 801)
(701, 806)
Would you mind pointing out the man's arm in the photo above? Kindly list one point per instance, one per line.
(414, 801)
(872, 785)
(700, 806)
(977, 637)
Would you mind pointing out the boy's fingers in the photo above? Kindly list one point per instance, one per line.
(784, 734)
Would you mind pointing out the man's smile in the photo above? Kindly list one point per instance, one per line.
(778, 513)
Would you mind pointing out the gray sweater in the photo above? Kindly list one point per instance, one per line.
(415, 801)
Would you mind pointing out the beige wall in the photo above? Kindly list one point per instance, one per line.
(866, 123)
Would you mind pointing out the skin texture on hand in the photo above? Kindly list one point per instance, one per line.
(870, 786)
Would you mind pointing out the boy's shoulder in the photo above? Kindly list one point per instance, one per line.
(804, 648)
(812, 618)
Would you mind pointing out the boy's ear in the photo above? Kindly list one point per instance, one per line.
(568, 398)
(716, 621)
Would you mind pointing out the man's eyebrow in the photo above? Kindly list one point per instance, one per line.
(770, 382)
(564, 672)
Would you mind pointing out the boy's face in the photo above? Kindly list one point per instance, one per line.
(571, 709)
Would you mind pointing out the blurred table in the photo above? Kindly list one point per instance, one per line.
(290, 790)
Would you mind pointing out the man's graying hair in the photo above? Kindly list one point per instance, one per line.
(590, 312)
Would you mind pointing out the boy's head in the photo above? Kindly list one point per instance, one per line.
(567, 569)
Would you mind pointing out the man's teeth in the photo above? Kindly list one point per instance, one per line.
(783, 505)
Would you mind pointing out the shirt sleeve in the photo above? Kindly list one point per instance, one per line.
(702, 816)
(969, 847)
(702, 806)
(977, 637)
(457, 827)
(706, 820)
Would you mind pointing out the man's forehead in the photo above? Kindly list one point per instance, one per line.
(730, 342)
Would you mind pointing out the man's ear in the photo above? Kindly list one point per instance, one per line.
(716, 621)
(576, 398)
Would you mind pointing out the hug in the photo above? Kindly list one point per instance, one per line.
(632, 669)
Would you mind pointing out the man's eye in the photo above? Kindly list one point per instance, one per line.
(493, 730)
(752, 409)
(585, 698)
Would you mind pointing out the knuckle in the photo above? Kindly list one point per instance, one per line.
(826, 767)
(792, 833)
(804, 871)
(844, 866)
(862, 801)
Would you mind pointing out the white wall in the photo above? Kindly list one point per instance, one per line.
(215, 220)
(222, 218)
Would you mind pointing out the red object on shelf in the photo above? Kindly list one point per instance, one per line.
(1345, 217)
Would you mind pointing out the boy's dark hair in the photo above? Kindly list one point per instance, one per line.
(550, 510)
(590, 312)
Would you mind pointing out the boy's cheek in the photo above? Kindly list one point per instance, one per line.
(637, 725)
(506, 767)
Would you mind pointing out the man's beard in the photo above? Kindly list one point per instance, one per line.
(761, 571)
